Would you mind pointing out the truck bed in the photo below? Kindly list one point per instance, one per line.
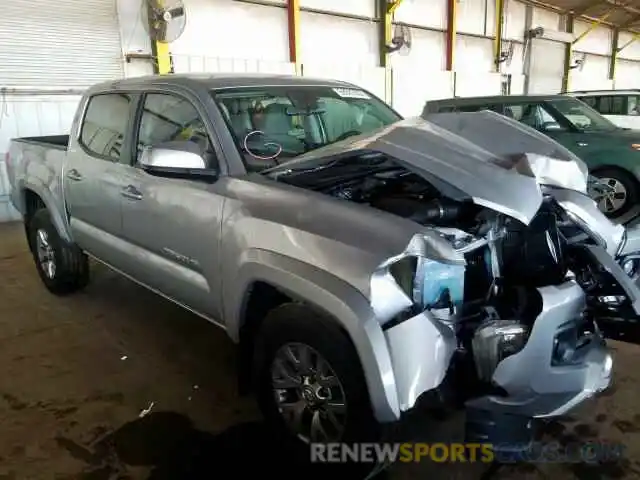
(39, 161)
(59, 142)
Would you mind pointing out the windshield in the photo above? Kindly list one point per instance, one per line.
(274, 124)
(581, 115)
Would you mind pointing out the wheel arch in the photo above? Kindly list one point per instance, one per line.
(283, 279)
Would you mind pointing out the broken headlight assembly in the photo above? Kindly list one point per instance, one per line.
(494, 341)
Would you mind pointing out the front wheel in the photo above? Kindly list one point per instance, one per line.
(310, 384)
(620, 193)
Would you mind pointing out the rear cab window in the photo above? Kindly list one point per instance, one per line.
(104, 125)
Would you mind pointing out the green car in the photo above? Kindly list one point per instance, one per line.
(611, 153)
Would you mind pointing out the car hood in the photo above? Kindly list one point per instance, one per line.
(495, 161)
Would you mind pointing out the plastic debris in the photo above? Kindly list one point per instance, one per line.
(147, 410)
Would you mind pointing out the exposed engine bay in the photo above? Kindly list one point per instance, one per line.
(491, 298)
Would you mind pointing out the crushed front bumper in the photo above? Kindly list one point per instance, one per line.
(535, 386)
(531, 385)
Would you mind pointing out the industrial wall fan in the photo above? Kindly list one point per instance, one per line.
(400, 40)
(167, 19)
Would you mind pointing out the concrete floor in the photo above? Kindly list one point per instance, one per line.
(76, 373)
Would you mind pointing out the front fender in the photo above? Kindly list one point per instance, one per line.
(335, 297)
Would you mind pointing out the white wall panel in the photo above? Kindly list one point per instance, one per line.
(25, 116)
(517, 84)
(478, 85)
(362, 8)
(367, 77)
(632, 51)
(515, 66)
(627, 74)
(325, 39)
(515, 18)
(202, 64)
(473, 54)
(427, 51)
(597, 41)
(425, 13)
(546, 66)
(229, 29)
(414, 86)
(593, 76)
(545, 18)
(476, 17)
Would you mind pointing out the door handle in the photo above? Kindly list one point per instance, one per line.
(131, 192)
(582, 144)
(74, 174)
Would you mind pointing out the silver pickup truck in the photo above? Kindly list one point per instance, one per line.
(392, 263)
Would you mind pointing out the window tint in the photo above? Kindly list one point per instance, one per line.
(169, 118)
(105, 124)
(612, 105)
(633, 107)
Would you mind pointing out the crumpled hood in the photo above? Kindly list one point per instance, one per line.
(496, 161)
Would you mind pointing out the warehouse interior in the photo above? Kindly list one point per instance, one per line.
(89, 384)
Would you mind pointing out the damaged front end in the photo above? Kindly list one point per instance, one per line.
(507, 352)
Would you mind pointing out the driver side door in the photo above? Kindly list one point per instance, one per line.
(172, 224)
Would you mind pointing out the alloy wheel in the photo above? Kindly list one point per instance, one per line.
(46, 255)
(613, 198)
(308, 394)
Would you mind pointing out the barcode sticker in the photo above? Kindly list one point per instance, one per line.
(351, 93)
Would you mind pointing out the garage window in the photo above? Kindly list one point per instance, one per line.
(105, 124)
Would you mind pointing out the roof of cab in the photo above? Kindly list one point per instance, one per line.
(219, 80)
(609, 93)
(494, 99)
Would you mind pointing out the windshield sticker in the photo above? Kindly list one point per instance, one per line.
(351, 93)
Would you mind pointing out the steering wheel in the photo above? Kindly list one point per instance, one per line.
(348, 134)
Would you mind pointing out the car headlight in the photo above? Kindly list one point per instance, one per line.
(494, 341)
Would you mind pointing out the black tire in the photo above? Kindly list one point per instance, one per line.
(295, 323)
(71, 264)
(630, 184)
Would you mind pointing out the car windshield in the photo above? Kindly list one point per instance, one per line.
(274, 124)
(581, 115)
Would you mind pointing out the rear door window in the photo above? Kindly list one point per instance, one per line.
(612, 105)
(104, 125)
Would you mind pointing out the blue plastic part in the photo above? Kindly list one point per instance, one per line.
(438, 281)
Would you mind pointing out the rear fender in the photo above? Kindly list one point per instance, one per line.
(59, 221)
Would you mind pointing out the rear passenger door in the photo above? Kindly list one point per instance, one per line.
(92, 176)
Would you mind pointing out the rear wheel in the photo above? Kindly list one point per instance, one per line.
(63, 268)
(622, 192)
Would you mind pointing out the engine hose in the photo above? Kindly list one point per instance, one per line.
(437, 210)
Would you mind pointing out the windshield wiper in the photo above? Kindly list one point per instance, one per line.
(370, 161)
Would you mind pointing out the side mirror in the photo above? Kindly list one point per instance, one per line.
(181, 159)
